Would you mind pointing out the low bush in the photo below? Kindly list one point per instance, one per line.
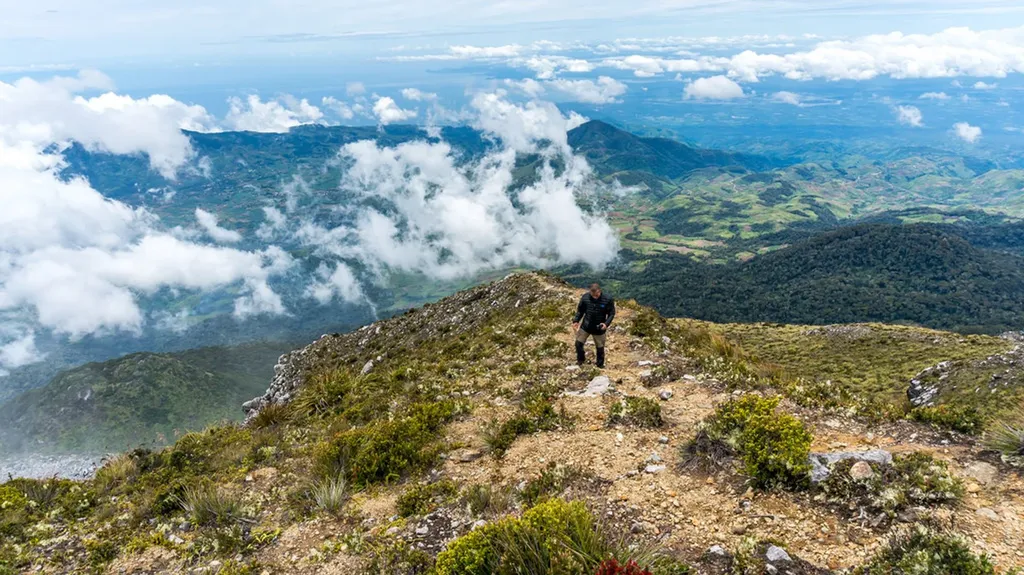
(207, 504)
(552, 482)
(912, 480)
(636, 412)
(555, 537)
(1007, 437)
(115, 472)
(774, 447)
(422, 499)
(485, 499)
(384, 451)
(536, 413)
(271, 415)
(924, 552)
(962, 418)
(329, 494)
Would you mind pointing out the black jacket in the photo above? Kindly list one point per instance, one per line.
(594, 312)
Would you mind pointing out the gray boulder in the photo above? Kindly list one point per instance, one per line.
(822, 463)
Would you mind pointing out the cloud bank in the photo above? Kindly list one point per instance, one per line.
(75, 262)
(713, 88)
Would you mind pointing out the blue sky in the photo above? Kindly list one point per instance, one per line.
(104, 33)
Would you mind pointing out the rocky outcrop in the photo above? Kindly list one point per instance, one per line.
(822, 463)
(1007, 370)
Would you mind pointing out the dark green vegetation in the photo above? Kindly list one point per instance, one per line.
(143, 399)
(774, 446)
(635, 411)
(915, 479)
(918, 274)
(925, 552)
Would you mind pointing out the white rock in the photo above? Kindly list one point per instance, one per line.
(988, 514)
(861, 470)
(663, 440)
(717, 550)
(654, 468)
(665, 394)
(597, 387)
(776, 554)
(645, 363)
(367, 367)
(572, 368)
(983, 473)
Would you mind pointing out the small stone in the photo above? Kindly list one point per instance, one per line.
(367, 367)
(988, 514)
(645, 363)
(739, 529)
(983, 473)
(646, 374)
(665, 394)
(175, 539)
(861, 470)
(422, 530)
(572, 368)
(470, 456)
(776, 555)
(663, 440)
(717, 550)
(654, 469)
(973, 487)
(636, 528)
(654, 458)
(771, 569)
(689, 377)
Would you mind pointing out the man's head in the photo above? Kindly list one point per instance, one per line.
(595, 289)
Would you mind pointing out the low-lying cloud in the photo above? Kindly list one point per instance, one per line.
(713, 88)
(967, 132)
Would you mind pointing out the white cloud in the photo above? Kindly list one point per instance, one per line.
(388, 112)
(605, 90)
(449, 218)
(910, 116)
(19, 352)
(255, 115)
(338, 107)
(275, 222)
(338, 283)
(788, 98)
(355, 89)
(934, 96)
(75, 262)
(547, 67)
(528, 86)
(713, 88)
(208, 222)
(507, 51)
(417, 95)
(967, 132)
(983, 86)
(949, 53)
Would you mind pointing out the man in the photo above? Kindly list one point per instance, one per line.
(596, 310)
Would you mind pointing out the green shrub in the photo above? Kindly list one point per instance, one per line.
(384, 451)
(422, 499)
(536, 413)
(271, 415)
(775, 447)
(636, 412)
(924, 552)
(115, 472)
(962, 418)
(487, 499)
(913, 479)
(552, 481)
(1007, 437)
(552, 538)
(396, 557)
(329, 494)
(207, 504)
(776, 451)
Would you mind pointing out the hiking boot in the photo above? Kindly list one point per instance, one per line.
(581, 356)
(600, 358)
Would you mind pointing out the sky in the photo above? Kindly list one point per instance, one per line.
(98, 33)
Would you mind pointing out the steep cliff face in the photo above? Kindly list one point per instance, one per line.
(461, 438)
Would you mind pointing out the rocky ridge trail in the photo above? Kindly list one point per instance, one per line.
(682, 511)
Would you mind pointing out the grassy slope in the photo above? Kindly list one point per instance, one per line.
(875, 362)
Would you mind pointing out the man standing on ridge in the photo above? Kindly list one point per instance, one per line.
(596, 310)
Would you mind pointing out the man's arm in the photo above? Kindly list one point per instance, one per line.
(581, 310)
(611, 313)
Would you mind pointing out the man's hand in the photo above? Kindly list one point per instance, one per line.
(603, 326)
(576, 326)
